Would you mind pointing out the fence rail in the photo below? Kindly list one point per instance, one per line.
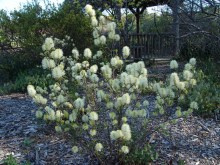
(148, 46)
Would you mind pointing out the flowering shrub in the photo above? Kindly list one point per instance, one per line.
(206, 93)
(109, 116)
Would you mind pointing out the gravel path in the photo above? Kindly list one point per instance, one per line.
(197, 141)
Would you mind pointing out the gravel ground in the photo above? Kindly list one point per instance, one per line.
(197, 140)
(22, 136)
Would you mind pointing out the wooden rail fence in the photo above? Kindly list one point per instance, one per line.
(149, 46)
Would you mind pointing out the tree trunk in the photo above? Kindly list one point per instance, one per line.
(137, 15)
(176, 23)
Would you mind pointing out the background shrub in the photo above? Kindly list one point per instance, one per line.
(23, 31)
(207, 91)
(35, 76)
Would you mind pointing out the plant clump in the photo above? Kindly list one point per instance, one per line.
(108, 117)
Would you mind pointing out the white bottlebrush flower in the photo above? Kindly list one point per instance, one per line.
(173, 64)
(51, 113)
(79, 103)
(92, 13)
(87, 53)
(97, 41)
(31, 90)
(85, 64)
(39, 114)
(94, 21)
(187, 75)
(143, 82)
(111, 26)
(58, 129)
(125, 128)
(94, 78)
(83, 73)
(95, 33)
(192, 82)
(188, 66)
(114, 122)
(93, 116)
(93, 69)
(170, 92)
(99, 53)
(125, 149)
(85, 118)
(141, 65)
(92, 132)
(174, 79)
(117, 37)
(126, 99)
(181, 85)
(61, 99)
(115, 84)
(98, 147)
(146, 103)
(112, 115)
(48, 44)
(144, 71)
(142, 113)
(178, 112)
(192, 61)
(58, 72)
(57, 54)
(89, 9)
(48, 63)
(40, 99)
(100, 95)
(106, 71)
(119, 103)
(85, 126)
(126, 51)
(75, 149)
(111, 35)
(40, 90)
(103, 40)
(61, 65)
(124, 119)
(109, 105)
(163, 92)
(102, 20)
(194, 105)
(59, 114)
(76, 67)
(114, 62)
(72, 116)
(114, 135)
(75, 53)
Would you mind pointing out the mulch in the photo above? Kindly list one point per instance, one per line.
(196, 141)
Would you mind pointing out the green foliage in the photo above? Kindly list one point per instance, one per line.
(211, 70)
(207, 91)
(142, 156)
(23, 31)
(200, 47)
(67, 21)
(33, 76)
(181, 162)
(27, 142)
(151, 23)
(11, 64)
(26, 163)
(10, 160)
(207, 95)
